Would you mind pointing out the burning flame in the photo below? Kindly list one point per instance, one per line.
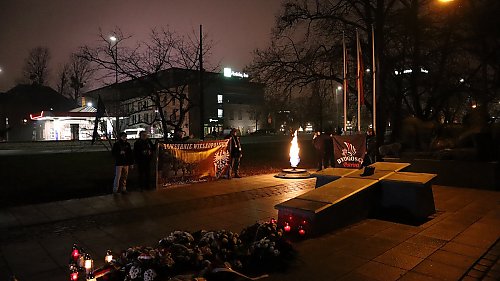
(294, 152)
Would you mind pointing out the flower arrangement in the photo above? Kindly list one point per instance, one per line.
(202, 255)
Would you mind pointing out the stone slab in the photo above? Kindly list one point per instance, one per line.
(302, 204)
(330, 174)
(389, 166)
(338, 190)
(377, 174)
(418, 178)
(409, 194)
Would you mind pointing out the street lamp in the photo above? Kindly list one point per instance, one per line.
(114, 39)
(337, 99)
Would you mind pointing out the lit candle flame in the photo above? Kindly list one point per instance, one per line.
(294, 152)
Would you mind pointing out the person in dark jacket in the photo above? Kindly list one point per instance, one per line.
(320, 142)
(124, 158)
(143, 152)
(371, 148)
(235, 154)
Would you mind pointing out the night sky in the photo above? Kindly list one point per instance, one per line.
(236, 27)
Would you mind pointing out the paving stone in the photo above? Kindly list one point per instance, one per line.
(370, 248)
(481, 268)
(444, 230)
(467, 250)
(490, 256)
(426, 241)
(415, 276)
(20, 256)
(395, 259)
(371, 227)
(495, 274)
(354, 276)
(479, 235)
(475, 273)
(452, 259)
(58, 248)
(469, 278)
(7, 219)
(416, 250)
(439, 270)
(486, 262)
(379, 271)
(398, 233)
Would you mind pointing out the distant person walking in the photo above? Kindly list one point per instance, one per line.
(235, 153)
(124, 158)
(143, 152)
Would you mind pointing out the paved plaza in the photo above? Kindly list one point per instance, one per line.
(460, 242)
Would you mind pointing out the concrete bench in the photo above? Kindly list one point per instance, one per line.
(330, 174)
(409, 194)
(336, 204)
(377, 174)
(389, 166)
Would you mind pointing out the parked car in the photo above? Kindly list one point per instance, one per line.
(134, 133)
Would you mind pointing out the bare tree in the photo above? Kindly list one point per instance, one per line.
(36, 66)
(145, 63)
(62, 85)
(80, 72)
(419, 62)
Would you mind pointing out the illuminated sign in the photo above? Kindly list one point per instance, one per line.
(36, 117)
(229, 73)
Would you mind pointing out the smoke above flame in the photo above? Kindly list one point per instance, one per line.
(294, 151)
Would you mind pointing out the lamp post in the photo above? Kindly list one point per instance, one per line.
(114, 39)
(337, 102)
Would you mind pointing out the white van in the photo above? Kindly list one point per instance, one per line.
(134, 133)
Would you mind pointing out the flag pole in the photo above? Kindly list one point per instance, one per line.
(345, 82)
(374, 77)
(358, 80)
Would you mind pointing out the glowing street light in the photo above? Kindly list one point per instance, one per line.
(114, 39)
(445, 1)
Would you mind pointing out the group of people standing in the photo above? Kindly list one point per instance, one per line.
(141, 155)
(323, 145)
(125, 158)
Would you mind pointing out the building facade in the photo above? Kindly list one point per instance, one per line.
(228, 102)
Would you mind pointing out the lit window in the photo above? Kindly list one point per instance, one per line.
(219, 98)
(220, 113)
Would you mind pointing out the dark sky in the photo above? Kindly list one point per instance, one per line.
(236, 26)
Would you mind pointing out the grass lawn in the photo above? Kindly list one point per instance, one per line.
(35, 178)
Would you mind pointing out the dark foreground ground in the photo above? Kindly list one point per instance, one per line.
(460, 242)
